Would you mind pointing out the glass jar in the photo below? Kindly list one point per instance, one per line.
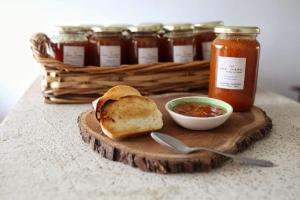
(179, 43)
(69, 45)
(204, 35)
(106, 46)
(234, 66)
(144, 43)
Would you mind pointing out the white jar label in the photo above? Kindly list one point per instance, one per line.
(231, 72)
(147, 55)
(110, 55)
(206, 50)
(183, 53)
(74, 55)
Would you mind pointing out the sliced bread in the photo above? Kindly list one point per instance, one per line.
(113, 94)
(129, 116)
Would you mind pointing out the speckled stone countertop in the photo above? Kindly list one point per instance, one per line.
(42, 156)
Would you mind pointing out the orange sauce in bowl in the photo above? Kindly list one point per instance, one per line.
(195, 109)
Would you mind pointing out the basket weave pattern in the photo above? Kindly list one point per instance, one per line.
(64, 83)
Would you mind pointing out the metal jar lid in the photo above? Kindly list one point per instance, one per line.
(72, 29)
(146, 27)
(122, 27)
(208, 25)
(237, 29)
(179, 27)
(97, 28)
(108, 29)
(113, 28)
(91, 26)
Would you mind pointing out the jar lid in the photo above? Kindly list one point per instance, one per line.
(97, 28)
(208, 25)
(109, 29)
(237, 29)
(113, 28)
(124, 26)
(179, 27)
(91, 26)
(146, 27)
(72, 29)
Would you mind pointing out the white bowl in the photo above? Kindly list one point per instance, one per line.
(199, 123)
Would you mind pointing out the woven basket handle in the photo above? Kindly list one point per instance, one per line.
(40, 43)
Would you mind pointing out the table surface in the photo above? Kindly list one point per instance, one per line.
(42, 156)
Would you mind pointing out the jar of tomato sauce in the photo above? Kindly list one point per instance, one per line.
(179, 43)
(234, 66)
(144, 43)
(69, 45)
(106, 46)
(204, 35)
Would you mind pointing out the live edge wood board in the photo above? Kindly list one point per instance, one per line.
(240, 131)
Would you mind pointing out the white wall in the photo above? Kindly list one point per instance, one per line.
(278, 19)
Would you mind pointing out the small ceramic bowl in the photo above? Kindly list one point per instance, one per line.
(198, 123)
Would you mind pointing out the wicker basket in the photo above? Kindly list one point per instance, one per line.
(64, 83)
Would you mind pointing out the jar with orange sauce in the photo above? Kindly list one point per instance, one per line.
(179, 45)
(234, 66)
(144, 43)
(106, 46)
(69, 45)
(204, 35)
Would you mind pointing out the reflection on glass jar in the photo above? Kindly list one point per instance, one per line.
(234, 66)
(143, 48)
(179, 43)
(106, 46)
(69, 45)
(204, 35)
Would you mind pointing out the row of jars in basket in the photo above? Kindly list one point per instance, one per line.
(145, 43)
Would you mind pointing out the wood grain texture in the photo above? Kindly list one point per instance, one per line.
(240, 131)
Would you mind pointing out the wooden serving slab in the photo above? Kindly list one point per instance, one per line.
(241, 130)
